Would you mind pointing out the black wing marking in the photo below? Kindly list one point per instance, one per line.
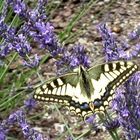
(59, 90)
(62, 90)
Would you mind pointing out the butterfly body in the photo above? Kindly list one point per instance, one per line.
(87, 91)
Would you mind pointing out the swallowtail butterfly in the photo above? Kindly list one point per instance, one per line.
(87, 91)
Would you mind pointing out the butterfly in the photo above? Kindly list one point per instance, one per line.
(87, 91)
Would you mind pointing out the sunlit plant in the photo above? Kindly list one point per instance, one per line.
(34, 27)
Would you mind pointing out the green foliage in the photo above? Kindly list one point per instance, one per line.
(14, 81)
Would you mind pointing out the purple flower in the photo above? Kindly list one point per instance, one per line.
(79, 57)
(13, 42)
(127, 106)
(110, 47)
(43, 33)
(136, 50)
(30, 103)
(19, 118)
(72, 59)
(35, 27)
(116, 49)
(19, 7)
(32, 63)
(3, 26)
(134, 34)
(111, 124)
(90, 119)
(21, 45)
(2, 133)
(29, 133)
(127, 100)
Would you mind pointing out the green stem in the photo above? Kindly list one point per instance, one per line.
(6, 68)
(82, 135)
(64, 122)
(115, 131)
(113, 135)
(39, 76)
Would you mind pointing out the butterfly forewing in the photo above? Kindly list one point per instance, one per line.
(60, 89)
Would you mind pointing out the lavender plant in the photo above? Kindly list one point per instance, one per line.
(36, 28)
(16, 42)
(126, 103)
(19, 118)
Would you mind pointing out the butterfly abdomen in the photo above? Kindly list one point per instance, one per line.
(85, 83)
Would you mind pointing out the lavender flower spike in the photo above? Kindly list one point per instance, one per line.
(73, 59)
(32, 63)
(2, 133)
(109, 44)
(134, 34)
(19, 118)
(127, 106)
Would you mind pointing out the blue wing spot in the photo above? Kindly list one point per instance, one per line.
(97, 103)
(84, 106)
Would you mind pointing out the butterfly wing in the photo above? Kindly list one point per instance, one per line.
(59, 89)
(106, 78)
(66, 90)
